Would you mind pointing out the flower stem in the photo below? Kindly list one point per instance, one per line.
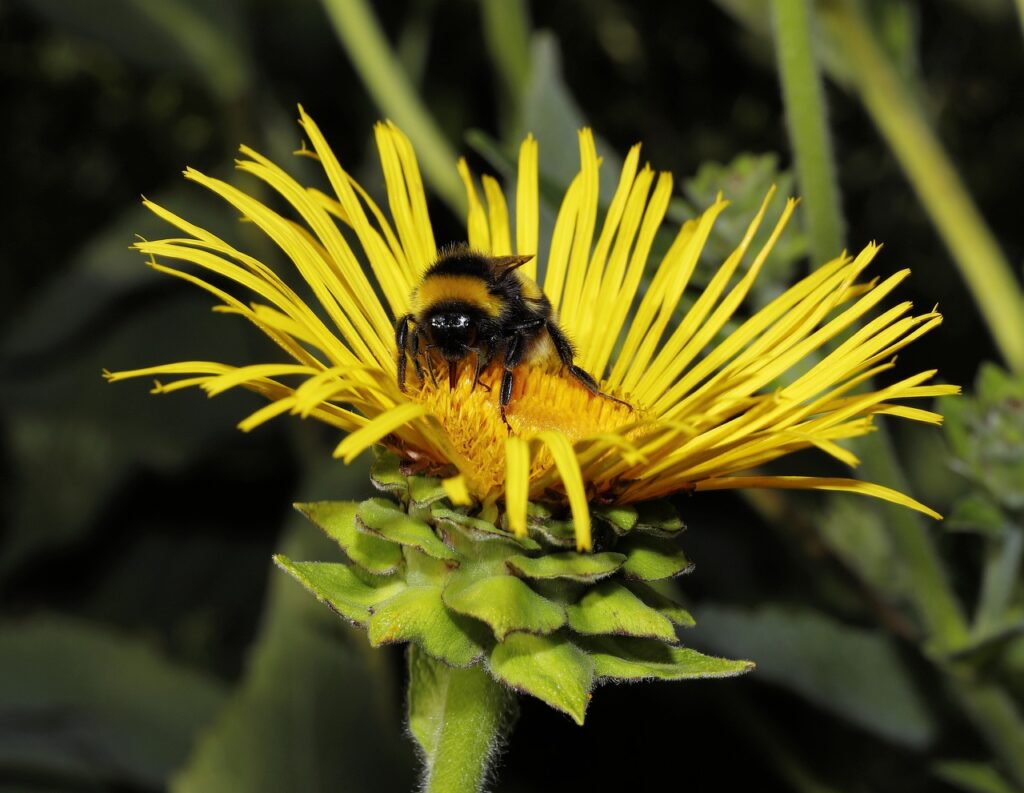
(807, 120)
(896, 114)
(460, 719)
(389, 86)
(805, 110)
(890, 103)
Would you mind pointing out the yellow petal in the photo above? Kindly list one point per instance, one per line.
(456, 490)
(517, 483)
(572, 480)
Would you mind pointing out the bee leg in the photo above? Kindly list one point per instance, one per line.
(416, 355)
(513, 355)
(483, 359)
(430, 363)
(401, 342)
(566, 353)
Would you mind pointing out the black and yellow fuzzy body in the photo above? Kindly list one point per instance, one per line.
(471, 304)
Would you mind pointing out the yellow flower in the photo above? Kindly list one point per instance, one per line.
(707, 406)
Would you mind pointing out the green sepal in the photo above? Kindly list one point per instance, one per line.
(338, 521)
(504, 602)
(583, 567)
(386, 474)
(341, 587)
(657, 599)
(477, 528)
(619, 658)
(659, 518)
(418, 615)
(610, 608)
(380, 517)
(559, 533)
(550, 668)
(425, 490)
(423, 570)
(621, 519)
(651, 559)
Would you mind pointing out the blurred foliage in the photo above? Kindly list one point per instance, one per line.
(986, 431)
(141, 645)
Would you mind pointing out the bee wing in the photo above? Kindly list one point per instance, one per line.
(505, 264)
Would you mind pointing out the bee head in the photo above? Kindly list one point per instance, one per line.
(452, 330)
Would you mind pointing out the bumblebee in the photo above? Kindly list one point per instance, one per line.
(469, 303)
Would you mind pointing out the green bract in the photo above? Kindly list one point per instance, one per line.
(542, 620)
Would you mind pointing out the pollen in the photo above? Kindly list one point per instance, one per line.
(542, 401)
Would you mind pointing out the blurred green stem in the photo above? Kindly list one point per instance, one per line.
(997, 718)
(982, 264)
(806, 117)
(381, 72)
(1020, 11)
(927, 584)
(901, 122)
(507, 33)
(805, 108)
(1002, 571)
(213, 52)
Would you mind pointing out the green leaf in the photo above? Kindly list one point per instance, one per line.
(620, 658)
(550, 668)
(341, 587)
(863, 540)
(854, 673)
(417, 614)
(504, 602)
(986, 431)
(662, 602)
(977, 512)
(386, 474)
(651, 559)
(379, 516)
(745, 181)
(313, 695)
(53, 506)
(586, 567)
(973, 777)
(610, 608)
(338, 521)
(82, 701)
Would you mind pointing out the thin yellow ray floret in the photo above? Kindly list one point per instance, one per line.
(528, 205)
(517, 483)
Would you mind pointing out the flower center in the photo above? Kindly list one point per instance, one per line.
(541, 400)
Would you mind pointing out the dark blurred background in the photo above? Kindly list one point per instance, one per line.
(145, 636)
